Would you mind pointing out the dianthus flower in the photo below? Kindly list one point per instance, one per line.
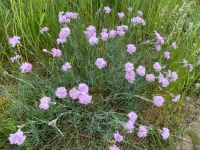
(120, 15)
(120, 31)
(64, 33)
(150, 77)
(107, 10)
(129, 126)
(56, 52)
(138, 20)
(165, 133)
(163, 81)
(114, 147)
(174, 46)
(158, 101)
(157, 67)
(66, 66)
(129, 66)
(15, 40)
(44, 103)
(16, 57)
(17, 138)
(140, 13)
(100, 63)
(61, 92)
(141, 70)
(130, 9)
(104, 36)
(132, 116)
(26, 67)
(118, 137)
(176, 98)
(93, 40)
(131, 48)
(90, 31)
(44, 30)
(74, 93)
(167, 55)
(112, 33)
(143, 131)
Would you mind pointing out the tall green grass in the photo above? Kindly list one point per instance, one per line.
(92, 127)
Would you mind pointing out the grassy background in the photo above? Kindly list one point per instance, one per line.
(93, 126)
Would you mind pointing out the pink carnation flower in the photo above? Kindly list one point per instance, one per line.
(165, 133)
(100, 63)
(157, 67)
(104, 36)
(158, 101)
(93, 40)
(90, 31)
(118, 137)
(157, 47)
(120, 15)
(44, 103)
(167, 55)
(61, 92)
(64, 33)
(174, 76)
(163, 81)
(138, 20)
(56, 52)
(114, 147)
(26, 67)
(131, 48)
(15, 40)
(66, 66)
(107, 10)
(17, 138)
(125, 27)
(71, 15)
(129, 66)
(74, 93)
(130, 76)
(120, 31)
(160, 39)
(150, 77)
(112, 33)
(129, 126)
(141, 70)
(132, 116)
(16, 57)
(85, 99)
(83, 88)
(143, 131)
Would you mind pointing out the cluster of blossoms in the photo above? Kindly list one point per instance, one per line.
(66, 17)
(130, 74)
(81, 93)
(138, 20)
(160, 41)
(142, 130)
(44, 103)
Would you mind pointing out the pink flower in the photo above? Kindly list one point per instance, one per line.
(120, 31)
(130, 76)
(131, 48)
(105, 30)
(26, 67)
(174, 46)
(129, 126)
(64, 33)
(16, 57)
(71, 15)
(44, 30)
(138, 20)
(85, 99)
(163, 81)
(66, 66)
(176, 98)
(141, 70)
(120, 15)
(83, 88)
(61, 92)
(62, 18)
(90, 31)
(112, 33)
(107, 10)
(150, 77)
(56, 52)
(167, 55)
(17, 138)
(100, 63)
(130, 9)
(174, 76)
(44, 103)
(15, 40)
(157, 67)
(104, 36)
(125, 27)
(140, 13)
(114, 147)
(160, 39)
(158, 101)
(157, 47)
(129, 66)
(143, 131)
(165, 133)
(132, 116)
(74, 93)
(93, 40)
(118, 137)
